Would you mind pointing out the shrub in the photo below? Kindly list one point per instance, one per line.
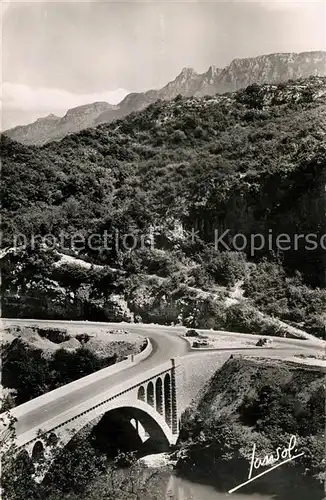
(287, 298)
(226, 268)
(159, 262)
(199, 278)
(245, 318)
(178, 137)
(54, 334)
(31, 374)
(83, 338)
(204, 313)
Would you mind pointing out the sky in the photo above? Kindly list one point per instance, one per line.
(57, 55)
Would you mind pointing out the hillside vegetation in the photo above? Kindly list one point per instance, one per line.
(248, 162)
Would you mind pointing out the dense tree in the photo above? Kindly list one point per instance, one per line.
(31, 374)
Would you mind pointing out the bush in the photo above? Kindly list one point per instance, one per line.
(178, 137)
(287, 298)
(316, 325)
(31, 374)
(159, 262)
(54, 334)
(226, 268)
(83, 338)
(246, 319)
(199, 278)
(204, 313)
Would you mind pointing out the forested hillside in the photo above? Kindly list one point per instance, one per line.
(253, 161)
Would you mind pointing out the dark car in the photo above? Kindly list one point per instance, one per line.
(264, 342)
(192, 333)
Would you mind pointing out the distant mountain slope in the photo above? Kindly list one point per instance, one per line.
(273, 68)
(54, 128)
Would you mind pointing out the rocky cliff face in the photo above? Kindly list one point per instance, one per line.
(273, 68)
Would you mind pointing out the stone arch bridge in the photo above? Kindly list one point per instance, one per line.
(149, 404)
(146, 391)
(149, 391)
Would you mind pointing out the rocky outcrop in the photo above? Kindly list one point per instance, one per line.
(272, 68)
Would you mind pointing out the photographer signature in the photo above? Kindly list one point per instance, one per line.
(256, 463)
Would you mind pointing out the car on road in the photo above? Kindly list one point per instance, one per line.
(192, 333)
(264, 342)
(200, 343)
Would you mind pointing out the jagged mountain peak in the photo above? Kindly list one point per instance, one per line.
(211, 74)
(52, 116)
(186, 73)
(212, 70)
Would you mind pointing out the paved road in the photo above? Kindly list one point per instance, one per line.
(166, 342)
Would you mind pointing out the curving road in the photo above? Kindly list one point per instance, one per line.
(166, 342)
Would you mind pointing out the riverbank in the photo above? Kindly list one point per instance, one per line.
(256, 403)
(250, 408)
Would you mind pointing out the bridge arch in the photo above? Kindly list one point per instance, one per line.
(141, 393)
(159, 435)
(167, 399)
(150, 393)
(52, 439)
(159, 395)
(150, 419)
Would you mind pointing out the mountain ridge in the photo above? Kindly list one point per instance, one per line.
(241, 72)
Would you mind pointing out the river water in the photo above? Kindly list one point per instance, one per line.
(281, 485)
(179, 488)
